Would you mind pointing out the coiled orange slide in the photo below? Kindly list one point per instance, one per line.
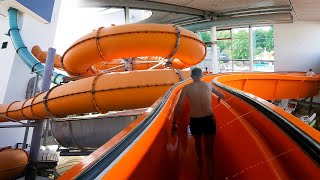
(147, 44)
(131, 41)
(113, 91)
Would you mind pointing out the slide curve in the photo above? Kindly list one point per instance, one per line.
(254, 140)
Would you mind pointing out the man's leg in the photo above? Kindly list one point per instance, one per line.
(209, 143)
(197, 141)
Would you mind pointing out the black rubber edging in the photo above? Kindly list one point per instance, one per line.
(94, 170)
(307, 143)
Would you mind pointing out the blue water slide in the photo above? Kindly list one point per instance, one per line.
(32, 62)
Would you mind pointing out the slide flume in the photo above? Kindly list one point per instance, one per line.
(101, 93)
(26, 56)
(254, 138)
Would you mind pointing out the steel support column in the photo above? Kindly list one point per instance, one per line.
(214, 50)
(250, 50)
(34, 91)
(37, 131)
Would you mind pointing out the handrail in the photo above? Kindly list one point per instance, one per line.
(307, 143)
(15, 126)
(18, 126)
(95, 169)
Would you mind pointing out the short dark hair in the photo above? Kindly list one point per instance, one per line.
(310, 69)
(196, 73)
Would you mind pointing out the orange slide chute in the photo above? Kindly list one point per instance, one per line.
(248, 144)
(273, 86)
(117, 65)
(130, 41)
(102, 93)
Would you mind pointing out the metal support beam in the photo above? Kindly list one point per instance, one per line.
(18, 126)
(34, 91)
(46, 132)
(37, 131)
(310, 105)
(147, 5)
(250, 49)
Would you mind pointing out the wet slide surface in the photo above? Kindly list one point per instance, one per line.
(254, 138)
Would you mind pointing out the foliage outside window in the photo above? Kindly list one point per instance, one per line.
(233, 49)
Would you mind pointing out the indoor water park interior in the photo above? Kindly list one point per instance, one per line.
(117, 89)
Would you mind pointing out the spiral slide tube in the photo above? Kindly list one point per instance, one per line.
(254, 140)
(22, 50)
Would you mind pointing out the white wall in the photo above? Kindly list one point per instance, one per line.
(33, 33)
(297, 46)
(77, 22)
(6, 57)
(14, 73)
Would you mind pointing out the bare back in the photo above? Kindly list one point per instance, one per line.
(199, 94)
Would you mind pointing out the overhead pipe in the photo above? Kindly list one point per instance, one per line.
(32, 62)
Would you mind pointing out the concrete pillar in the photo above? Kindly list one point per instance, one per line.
(126, 15)
(214, 50)
(250, 49)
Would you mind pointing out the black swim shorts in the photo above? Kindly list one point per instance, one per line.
(203, 125)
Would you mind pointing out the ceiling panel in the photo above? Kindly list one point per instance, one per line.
(306, 10)
(165, 17)
(225, 5)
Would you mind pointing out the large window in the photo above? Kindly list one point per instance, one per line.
(263, 48)
(224, 42)
(233, 49)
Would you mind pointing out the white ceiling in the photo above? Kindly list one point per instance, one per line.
(188, 12)
(306, 10)
(303, 10)
(225, 5)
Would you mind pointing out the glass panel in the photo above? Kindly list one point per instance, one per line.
(223, 34)
(240, 43)
(225, 66)
(263, 43)
(241, 66)
(233, 49)
(224, 49)
(263, 48)
(240, 49)
(263, 66)
(240, 33)
(206, 63)
(205, 36)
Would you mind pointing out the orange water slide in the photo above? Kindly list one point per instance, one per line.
(116, 65)
(131, 41)
(101, 93)
(254, 140)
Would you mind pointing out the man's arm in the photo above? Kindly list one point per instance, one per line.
(218, 93)
(178, 108)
